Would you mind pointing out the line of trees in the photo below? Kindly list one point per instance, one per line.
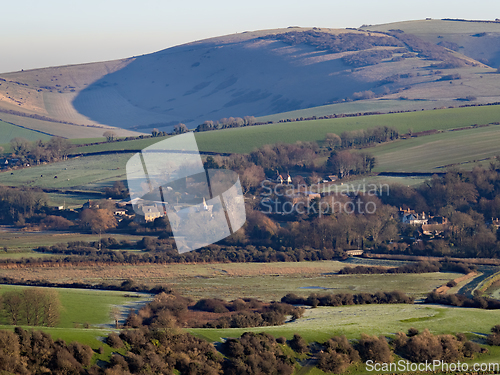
(163, 251)
(32, 307)
(346, 299)
(460, 300)
(262, 353)
(346, 163)
(18, 204)
(420, 267)
(359, 138)
(226, 123)
(36, 152)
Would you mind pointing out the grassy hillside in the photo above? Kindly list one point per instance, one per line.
(244, 140)
(434, 153)
(323, 322)
(88, 173)
(84, 306)
(422, 154)
(9, 131)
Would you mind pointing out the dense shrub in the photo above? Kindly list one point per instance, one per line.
(298, 344)
(365, 58)
(429, 50)
(342, 299)
(428, 347)
(56, 222)
(374, 348)
(114, 340)
(23, 352)
(419, 267)
(337, 355)
(335, 43)
(462, 301)
(256, 353)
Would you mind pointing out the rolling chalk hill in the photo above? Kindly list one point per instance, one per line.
(275, 73)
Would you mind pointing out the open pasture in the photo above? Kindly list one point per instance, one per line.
(9, 132)
(244, 140)
(273, 287)
(230, 140)
(91, 173)
(321, 323)
(265, 281)
(80, 306)
(433, 153)
(20, 243)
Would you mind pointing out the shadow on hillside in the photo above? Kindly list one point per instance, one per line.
(205, 81)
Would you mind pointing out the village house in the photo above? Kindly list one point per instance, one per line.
(495, 223)
(412, 218)
(149, 213)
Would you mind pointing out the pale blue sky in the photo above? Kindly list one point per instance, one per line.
(36, 33)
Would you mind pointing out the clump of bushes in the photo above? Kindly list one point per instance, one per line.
(365, 58)
(335, 43)
(256, 353)
(425, 346)
(420, 267)
(462, 301)
(171, 309)
(342, 299)
(337, 355)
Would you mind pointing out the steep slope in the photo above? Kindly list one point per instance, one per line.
(41, 99)
(222, 77)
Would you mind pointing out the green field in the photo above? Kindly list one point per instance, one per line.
(433, 153)
(324, 322)
(244, 140)
(315, 130)
(363, 106)
(366, 183)
(19, 244)
(9, 131)
(422, 154)
(265, 281)
(273, 287)
(80, 306)
(70, 199)
(136, 144)
(91, 173)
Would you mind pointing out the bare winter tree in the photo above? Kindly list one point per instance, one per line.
(32, 306)
(109, 135)
(180, 128)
